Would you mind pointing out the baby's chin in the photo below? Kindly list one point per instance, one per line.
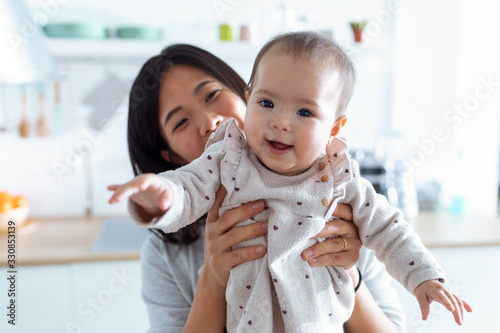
(283, 169)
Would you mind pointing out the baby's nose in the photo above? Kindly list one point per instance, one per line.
(280, 122)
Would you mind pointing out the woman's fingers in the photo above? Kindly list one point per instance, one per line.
(329, 259)
(239, 234)
(213, 213)
(343, 212)
(231, 217)
(242, 254)
(345, 259)
(220, 236)
(331, 251)
(331, 245)
(338, 228)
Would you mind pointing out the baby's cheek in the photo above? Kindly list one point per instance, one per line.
(312, 146)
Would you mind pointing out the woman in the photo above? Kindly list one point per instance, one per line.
(177, 100)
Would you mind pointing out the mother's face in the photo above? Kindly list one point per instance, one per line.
(192, 106)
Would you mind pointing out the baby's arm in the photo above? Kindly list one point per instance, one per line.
(433, 290)
(174, 199)
(383, 229)
(149, 191)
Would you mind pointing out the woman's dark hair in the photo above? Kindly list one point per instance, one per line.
(145, 143)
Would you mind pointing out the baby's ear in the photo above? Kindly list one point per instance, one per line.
(339, 123)
(247, 95)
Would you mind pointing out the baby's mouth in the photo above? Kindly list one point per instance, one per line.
(277, 147)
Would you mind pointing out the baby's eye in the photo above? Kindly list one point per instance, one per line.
(304, 113)
(266, 104)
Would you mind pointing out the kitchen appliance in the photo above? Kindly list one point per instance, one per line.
(388, 179)
(377, 174)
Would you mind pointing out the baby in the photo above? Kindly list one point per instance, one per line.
(297, 96)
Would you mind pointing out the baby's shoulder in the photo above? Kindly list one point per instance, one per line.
(228, 132)
(343, 166)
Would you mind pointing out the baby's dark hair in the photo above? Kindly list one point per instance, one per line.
(314, 47)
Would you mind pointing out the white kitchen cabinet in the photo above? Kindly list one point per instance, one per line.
(42, 299)
(107, 297)
(472, 274)
(77, 298)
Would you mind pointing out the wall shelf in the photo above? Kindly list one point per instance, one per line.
(70, 49)
(67, 49)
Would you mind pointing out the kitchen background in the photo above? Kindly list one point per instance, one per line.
(426, 106)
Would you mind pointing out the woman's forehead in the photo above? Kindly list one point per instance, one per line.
(183, 76)
(179, 84)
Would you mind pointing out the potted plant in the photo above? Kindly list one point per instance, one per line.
(357, 29)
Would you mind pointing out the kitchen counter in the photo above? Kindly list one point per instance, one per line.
(445, 230)
(54, 241)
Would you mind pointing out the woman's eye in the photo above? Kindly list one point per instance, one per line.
(211, 94)
(179, 124)
(304, 113)
(266, 104)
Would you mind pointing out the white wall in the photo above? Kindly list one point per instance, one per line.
(180, 16)
(42, 168)
(445, 53)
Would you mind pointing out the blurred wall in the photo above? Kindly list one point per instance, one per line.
(419, 60)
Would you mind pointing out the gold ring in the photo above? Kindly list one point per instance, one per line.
(345, 244)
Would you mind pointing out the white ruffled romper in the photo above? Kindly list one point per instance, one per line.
(281, 292)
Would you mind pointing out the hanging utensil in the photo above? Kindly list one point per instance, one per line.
(42, 125)
(4, 115)
(24, 126)
(57, 119)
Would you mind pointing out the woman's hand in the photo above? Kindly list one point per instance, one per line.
(220, 236)
(219, 259)
(331, 251)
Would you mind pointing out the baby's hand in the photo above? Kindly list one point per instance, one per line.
(149, 191)
(433, 290)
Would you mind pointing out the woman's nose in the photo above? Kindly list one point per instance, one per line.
(210, 122)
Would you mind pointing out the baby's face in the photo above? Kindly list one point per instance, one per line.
(290, 112)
